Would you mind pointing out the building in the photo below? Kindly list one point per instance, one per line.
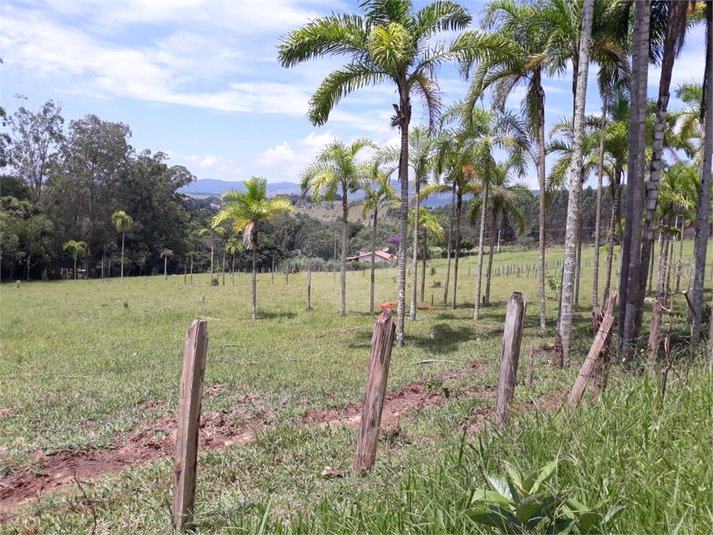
(379, 256)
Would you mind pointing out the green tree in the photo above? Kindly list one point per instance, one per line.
(77, 249)
(246, 210)
(166, 254)
(337, 168)
(233, 247)
(388, 43)
(430, 226)
(122, 223)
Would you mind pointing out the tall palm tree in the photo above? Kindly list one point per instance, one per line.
(77, 249)
(420, 153)
(122, 223)
(704, 207)
(575, 194)
(390, 43)
(631, 250)
(246, 210)
(377, 195)
(673, 42)
(335, 169)
(517, 21)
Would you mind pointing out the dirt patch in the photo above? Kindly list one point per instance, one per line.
(54, 471)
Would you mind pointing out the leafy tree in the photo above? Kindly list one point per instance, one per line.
(166, 254)
(36, 139)
(77, 249)
(337, 169)
(122, 223)
(246, 210)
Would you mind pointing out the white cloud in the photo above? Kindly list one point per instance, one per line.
(209, 161)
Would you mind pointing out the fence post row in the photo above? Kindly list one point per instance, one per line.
(189, 413)
(381, 343)
(512, 337)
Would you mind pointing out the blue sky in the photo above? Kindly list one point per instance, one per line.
(199, 79)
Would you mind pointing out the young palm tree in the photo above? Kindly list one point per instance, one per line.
(246, 210)
(378, 195)
(233, 246)
(502, 201)
(122, 223)
(337, 168)
(388, 43)
(78, 249)
(431, 227)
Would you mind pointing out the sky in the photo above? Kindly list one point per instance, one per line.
(199, 79)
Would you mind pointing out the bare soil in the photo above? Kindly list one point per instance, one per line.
(53, 471)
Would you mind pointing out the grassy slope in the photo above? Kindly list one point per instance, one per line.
(83, 361)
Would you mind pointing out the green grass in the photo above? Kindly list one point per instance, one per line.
(83, 362)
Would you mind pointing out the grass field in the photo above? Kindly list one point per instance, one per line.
(89, 371)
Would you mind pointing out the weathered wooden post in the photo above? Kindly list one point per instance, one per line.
(512, 336)
(589, 368)
(189, 413)
(381, 344)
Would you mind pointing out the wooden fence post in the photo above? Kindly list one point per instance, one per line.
(589, 367)
(381, 344)
(512, 336)
(189, 413)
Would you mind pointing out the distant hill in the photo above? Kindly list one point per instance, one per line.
(208, 187)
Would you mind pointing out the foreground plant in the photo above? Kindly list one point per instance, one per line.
(519, 504)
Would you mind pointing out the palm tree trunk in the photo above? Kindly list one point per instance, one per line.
(414, 282)
(123, 235)
(704, 191)
(459, 206)
(254, 231)
(600, 180)
(674, 26)
(680, 255)
(575, 196)
(615, 216)
(579, 259)
(652, 262)
(191, 268)
(541, 172)
(211, 261)
(662, 267)
(404, 114)
(449, 245)
(423, 260)
(489, 271)
(232, 270)
(345, 241)
(373, 262)
(223, 262)
(481, 243)
(631, 252)
(75, 267)
(165, 267)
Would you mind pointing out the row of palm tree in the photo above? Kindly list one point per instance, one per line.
(391, 42)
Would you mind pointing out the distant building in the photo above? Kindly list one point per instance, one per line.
(379, 256)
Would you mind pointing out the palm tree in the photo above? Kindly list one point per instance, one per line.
(246, 210)
(122, 223)
(420, 153)
(575, 195)
(166, 254)
(337, 168)
(503, 203)
(388, 43)
(212, 232)
(631, 251)
(78, 249)
(233, 246)
(430, 224)
(377, 195)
